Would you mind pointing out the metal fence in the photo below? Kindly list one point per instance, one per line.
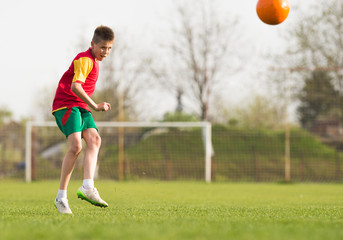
(164, 153)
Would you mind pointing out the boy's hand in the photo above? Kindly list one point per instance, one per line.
(103, 107)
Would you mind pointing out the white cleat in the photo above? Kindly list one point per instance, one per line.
(91, 195)
(62, 206)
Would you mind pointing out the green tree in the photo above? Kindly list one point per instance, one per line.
(179, 117)
(317, 98)
(5, 116)
(259, 113)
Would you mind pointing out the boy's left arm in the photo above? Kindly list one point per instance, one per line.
(78, 90)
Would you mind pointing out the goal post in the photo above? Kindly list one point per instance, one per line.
(206, 139)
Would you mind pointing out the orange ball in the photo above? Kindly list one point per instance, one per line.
(272, 12)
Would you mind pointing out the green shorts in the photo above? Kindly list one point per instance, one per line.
(71, 120)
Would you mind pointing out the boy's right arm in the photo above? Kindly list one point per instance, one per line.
(78, 90)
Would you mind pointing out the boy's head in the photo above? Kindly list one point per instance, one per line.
(102, 42)
(103, 33)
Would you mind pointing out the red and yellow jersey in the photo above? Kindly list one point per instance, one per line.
(85, 70)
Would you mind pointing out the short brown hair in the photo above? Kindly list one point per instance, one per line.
(103, 33)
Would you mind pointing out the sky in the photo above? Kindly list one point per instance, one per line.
(38, 38)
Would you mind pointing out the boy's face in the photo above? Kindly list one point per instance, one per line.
(101, 49)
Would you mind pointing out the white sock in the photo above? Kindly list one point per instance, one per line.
(88, 183)
(61, 194)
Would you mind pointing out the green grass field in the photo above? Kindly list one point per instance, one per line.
(175, 210)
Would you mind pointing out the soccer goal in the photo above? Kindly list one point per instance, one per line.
(129, 151)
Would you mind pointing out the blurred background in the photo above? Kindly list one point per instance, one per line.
(272, 93)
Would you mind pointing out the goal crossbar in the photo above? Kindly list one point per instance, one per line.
(206, 135)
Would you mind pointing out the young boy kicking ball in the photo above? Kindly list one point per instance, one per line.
(73, 117)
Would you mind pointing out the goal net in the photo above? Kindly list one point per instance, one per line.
(129, 151)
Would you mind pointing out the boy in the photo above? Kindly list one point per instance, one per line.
(73, 117)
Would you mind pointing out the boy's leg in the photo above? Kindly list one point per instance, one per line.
(87, 191)
(93, 142)
(74, 148)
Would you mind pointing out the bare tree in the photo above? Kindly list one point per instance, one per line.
(315, 45)
(122, 79)
(316, 42)
(44, 103)
(201, 53)
(318, 37)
